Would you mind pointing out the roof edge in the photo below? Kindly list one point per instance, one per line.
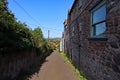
(72, 6)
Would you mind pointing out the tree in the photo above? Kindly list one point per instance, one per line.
(3, 5)
(38, 36)
(15, 35)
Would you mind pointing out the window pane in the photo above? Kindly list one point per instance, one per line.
(80, 26)
(80, 3)
(73, 29)
(99, 14)
(100, 28)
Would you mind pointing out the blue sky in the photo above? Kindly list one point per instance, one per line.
(48, 14)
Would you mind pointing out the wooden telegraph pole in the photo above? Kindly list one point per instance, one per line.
(48, 34)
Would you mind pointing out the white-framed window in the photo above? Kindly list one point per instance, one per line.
(80, 3)
(66, 27)
(98, 20)
(80, 26)
(73, 29)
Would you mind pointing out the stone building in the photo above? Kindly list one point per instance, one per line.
(66, 37)
(62, 43)
(94, 38)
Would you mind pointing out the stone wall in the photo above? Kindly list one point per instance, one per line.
(99, 59)
(13, 63)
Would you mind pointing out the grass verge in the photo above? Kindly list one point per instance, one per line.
(79, 73)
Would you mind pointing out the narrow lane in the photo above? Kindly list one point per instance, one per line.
(55, 68)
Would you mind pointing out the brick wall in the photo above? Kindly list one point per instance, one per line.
(99, 59)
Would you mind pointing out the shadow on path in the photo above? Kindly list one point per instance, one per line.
(25, 74)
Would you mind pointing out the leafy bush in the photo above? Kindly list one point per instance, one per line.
(14, 35)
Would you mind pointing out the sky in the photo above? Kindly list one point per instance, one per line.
(47, 14)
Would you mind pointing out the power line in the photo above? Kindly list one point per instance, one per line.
(24, 10)
(46, 30)
(33, 17)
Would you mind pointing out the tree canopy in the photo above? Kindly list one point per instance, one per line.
(15, 35)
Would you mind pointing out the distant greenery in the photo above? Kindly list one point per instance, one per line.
(54, 43)
(79, 73)
(15, 35)
(40, 42)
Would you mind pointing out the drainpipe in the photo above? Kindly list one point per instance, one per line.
(79, 45)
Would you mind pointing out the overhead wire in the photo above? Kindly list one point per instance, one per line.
(32, 18)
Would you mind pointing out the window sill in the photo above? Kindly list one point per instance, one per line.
(98, 38)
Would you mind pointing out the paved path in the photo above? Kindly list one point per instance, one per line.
(55, 69)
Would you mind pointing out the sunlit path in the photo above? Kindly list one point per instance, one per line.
(55, 68)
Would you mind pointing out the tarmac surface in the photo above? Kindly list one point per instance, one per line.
(55, 68)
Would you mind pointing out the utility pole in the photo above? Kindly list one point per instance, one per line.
(48, 34)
